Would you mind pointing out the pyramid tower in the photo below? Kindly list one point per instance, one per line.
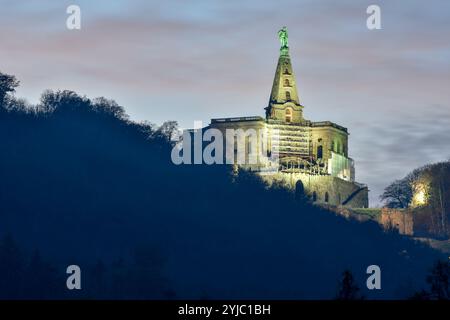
(284, 103)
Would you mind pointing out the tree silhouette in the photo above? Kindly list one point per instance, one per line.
(439, 281)
(11, 269)
(98, 280)
(119, 280)
(348, 289)
(166, 131)
(108, 106)
(146, 276)
(421, 295)
(8, 84)
(400, 192)
(41, 279)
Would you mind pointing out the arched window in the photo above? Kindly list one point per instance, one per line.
(286, 83)
(327, 197)
(288, 115)
(249, 146)
(288, 95)
(286, 71)
(314, 196)
(319, 152)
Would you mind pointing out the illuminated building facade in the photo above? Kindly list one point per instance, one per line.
(311, 156)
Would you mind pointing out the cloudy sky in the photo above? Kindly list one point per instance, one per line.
(195, 60)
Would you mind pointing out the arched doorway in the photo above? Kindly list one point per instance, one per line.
(299, 190)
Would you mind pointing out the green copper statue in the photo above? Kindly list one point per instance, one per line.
(283, 36)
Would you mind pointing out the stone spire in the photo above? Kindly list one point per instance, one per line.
(284, 89)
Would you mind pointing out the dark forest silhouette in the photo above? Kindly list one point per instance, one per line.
(81, 184)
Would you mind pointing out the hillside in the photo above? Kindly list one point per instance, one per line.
(83, 185)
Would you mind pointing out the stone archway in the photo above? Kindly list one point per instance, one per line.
(299, 190)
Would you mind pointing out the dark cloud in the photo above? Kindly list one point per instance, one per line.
(388, 151)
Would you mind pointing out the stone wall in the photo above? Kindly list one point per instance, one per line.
(399, 219)
(418, 222)
(323, 189)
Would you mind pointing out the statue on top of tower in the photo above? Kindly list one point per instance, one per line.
(283, 36)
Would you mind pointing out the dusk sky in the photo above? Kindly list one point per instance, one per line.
(197, 60)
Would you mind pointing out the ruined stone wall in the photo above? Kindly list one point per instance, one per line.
(419, 222)
(399, 219)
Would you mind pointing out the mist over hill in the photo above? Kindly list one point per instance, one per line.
(80, 184)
